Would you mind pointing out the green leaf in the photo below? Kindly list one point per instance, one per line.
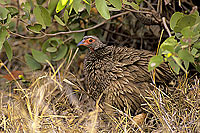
(174, 66)
(8, 49)
(64, 2)
(42, 16)
(61, 53)
(177, 48)
(196, 27)
(178, 35)
(78, 36)
(194, 51)
(12, 10)
(154, 62)
(40, 56)
(46, 16)
(31, 62)
(26, 15)
(187, 32)
(51, 42)
(70, 2)
(40, 2)
(77, 5)
(1, 45)
(59, 6)
(2, 2)
(174, 19)
(26, 6)
(38, 16)
(3, 35)
(197, 66)
(51, 49)
(35, 28)
(183, 22)
(139, 1)
(135, 6)
(5, 2)
(132, 4)
(178, 61)
(52, 5)
(66, 16)
(8, 20)
(116, 3)
(86, 2)
(197, 45)
(185, 55)
(167, 49)
(27, 9)
(169, 44)
(59, 20)
(186, 64)
(70, 10)
(3, 13)
(102, 8)
(88, 6)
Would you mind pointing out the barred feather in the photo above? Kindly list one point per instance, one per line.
(120, 73)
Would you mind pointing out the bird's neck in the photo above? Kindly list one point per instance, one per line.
(101, 52)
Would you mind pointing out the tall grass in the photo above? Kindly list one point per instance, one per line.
(55, 101)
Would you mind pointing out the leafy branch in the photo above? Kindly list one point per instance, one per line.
(183, 47)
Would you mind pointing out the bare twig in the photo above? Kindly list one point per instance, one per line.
(147, 12)
(68, 39)
(130, 36)
(165, 25)
(68, 32)
(18, 17)
(149, 4)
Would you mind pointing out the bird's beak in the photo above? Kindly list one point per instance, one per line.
(81, 43)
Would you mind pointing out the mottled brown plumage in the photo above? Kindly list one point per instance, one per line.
(120, 73)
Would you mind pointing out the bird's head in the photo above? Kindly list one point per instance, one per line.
(91, 42)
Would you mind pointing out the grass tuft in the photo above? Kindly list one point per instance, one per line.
(55, 101)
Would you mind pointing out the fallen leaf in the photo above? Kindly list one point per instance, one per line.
(15, 74)
(139, 119)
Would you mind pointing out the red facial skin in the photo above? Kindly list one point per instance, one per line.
(87, 43)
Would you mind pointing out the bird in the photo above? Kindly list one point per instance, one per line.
(119, 75)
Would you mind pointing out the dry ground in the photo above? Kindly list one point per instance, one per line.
(50, 103)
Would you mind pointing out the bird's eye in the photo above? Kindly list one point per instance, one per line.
(90, 40)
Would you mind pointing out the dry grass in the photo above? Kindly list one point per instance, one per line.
(59, 103)
(177, 111)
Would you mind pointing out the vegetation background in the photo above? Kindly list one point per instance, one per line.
(41, 69)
